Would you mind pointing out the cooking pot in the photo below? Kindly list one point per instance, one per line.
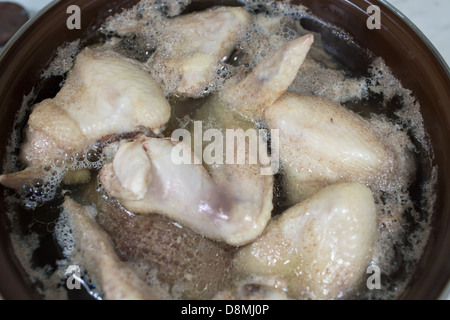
(411, 57)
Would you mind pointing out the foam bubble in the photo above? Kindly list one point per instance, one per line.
(65, 236)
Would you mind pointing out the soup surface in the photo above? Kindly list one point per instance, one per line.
(172, 257)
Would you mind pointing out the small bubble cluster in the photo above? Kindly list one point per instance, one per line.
(64, 235)
(49, 186)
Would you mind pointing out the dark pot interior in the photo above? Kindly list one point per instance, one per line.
(409, 55)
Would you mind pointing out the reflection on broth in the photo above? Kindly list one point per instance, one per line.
(92, 182)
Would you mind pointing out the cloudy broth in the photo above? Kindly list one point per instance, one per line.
(337, 68)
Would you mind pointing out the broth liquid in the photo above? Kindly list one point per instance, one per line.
(336, 68)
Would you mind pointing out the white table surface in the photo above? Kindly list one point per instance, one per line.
(431, 17)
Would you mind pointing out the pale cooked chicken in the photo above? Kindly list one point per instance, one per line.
(195, 46)
(322, 143)
(268, 80)
(232, 204)
(320, 247)
(104, 95)
(96, 254)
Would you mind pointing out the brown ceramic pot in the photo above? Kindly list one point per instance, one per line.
(409, 54)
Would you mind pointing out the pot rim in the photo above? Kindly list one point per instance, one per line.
(445, 294)
(16, 37)
(419, 33)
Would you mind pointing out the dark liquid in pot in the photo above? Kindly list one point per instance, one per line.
(336, 60)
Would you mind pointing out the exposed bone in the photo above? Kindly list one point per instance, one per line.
(321, 246)
(75, 177)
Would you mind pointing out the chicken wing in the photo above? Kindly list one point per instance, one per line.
(193, 48)
(268, 80)
(233, 204)
(320, 247)
(322, 143)
(190, 265)
(104, 95)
